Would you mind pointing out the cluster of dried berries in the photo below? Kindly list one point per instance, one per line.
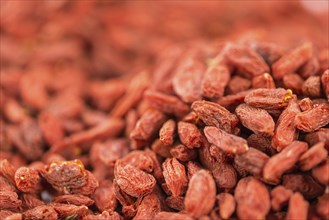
(236, 129)
(244, 136)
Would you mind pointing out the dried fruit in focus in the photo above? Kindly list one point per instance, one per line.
(189, 135)
(148, 125)
(134, 182)
(148, 208)
(68, 177)
(283, 161)
(229, 143)
(167, 132)
(28, 180)
(286, 132)
(175, 176)
(255, 119)
(269, 99)
(313, 119)
(213, 114)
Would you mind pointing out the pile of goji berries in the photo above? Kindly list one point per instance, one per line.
(236, 128)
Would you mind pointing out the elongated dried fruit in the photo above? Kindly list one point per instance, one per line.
(166, 103)
(246, 60)
(201, 183)
(283, 161)
(315, 155)
(252, 161)
(186, 82)
(215, 80)
(290, 62)
(269, 99)
(252, 198)
(76, 199)
(175, 176)
(167, 132)
(298, 207)
(213, 114)
(255, 119)
(313, 119)
(226, 204)
(147, 126)
(110, 128)
(133, 181)
(189, 135)
(285, 132)
(148, 208)
(229, 143)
